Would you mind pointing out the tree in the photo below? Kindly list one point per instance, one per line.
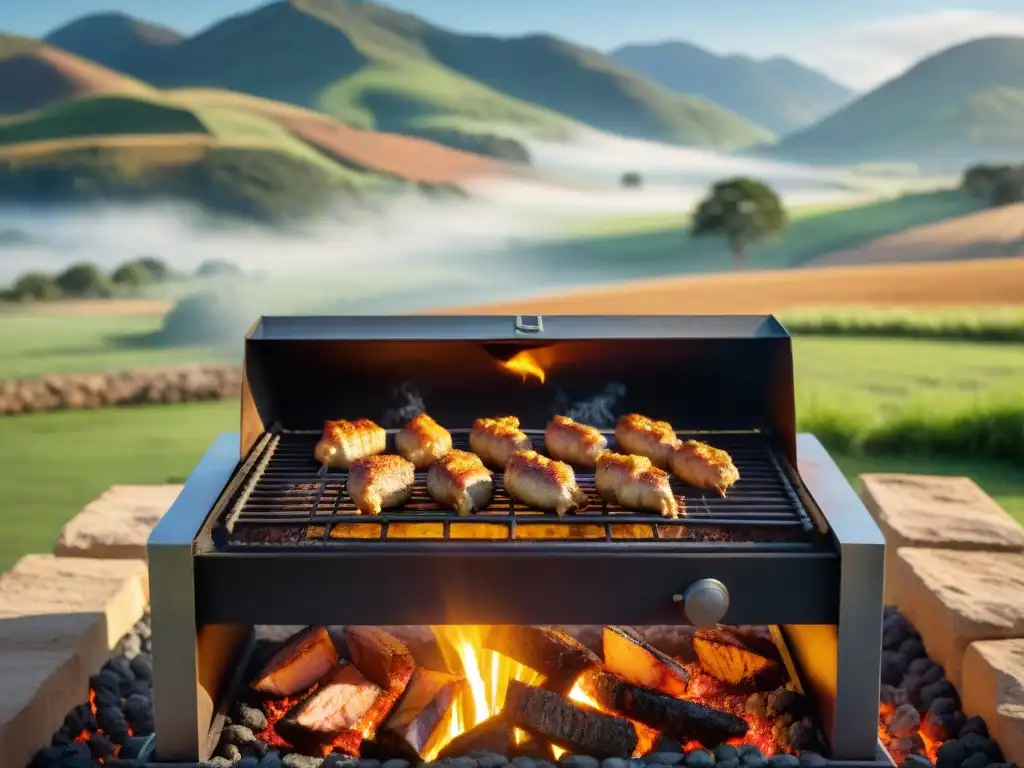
(157, 268)
(35, 286)
(131, 273)
(217, 267)
(744, 211)
(84, 281)
(631, 180)
(997, 184)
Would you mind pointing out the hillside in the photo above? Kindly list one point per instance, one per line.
(110, 38)
(375, 68)
(962, 105)
(778, 94)
(34, 75)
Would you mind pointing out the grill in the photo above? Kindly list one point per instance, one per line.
(264, 535)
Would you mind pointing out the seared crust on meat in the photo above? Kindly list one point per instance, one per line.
(423, 441)
(543, 483)
(642, 436)
(704, 466)
(460, 480)
(342, 442)
(376, 483)
(568, 440)
(495, 440)
(635, 483)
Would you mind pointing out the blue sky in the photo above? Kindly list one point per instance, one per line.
(860, 42)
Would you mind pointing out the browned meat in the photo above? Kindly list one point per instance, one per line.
(642, 436)
(380, 482)
(495, 440)
(576, 443)
(460, 480)
(633, 482)
(423, 441)
(346, 441)
(703, 466)
(543, 483)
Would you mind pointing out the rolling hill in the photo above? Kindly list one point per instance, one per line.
(962, 105)
(373, 67)
(34, 75)
(110, 38)
(778, 94)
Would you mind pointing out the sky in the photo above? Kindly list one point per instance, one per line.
(857, 42)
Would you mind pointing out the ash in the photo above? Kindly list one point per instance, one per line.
(413, 405)
(597, 411)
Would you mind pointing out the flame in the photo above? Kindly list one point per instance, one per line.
(525, 364)
(487, 676)
(885, 713)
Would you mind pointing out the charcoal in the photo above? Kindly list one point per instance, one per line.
(919, 666)
(140, 687)
(943, 689)
(952, 754)
(573, 761)
(781, 700)
(757, 704)
(780, 733)
(77, 749)
(886, 695)
(784, 761)
(112, 721)
(977, 760)
(528, 762)
(664, 758)
(250, 717)
(142, 666)
(133, 747)
(121, 667)
(942, 726)
(107, 698)
(699, 758)
(248, 762)
(901, 748)
(100, 746)
(726, 752)
(895, 629)
(912, 649)
(932, 675)
(974, 724)
(978, 743)
(905, 721)
(734, 763)
(804, 735)
(47, 757)
(911, 689)
(917, 761)
(61, 738)
(894, 667)
(105, 681)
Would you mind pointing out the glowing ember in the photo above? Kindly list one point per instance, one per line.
(526, 365)
(885, 713)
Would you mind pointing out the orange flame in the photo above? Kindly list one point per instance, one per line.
(524, 364)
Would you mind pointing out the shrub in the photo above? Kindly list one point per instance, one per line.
(964, 324)
(35, 286)
(158, 269)
(631, 180)
(217, 267)
(131, 273)
(200, 319)
(84, 281)
(998, 184)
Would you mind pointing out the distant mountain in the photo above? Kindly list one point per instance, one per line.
(374, 67)
(962, 105)
(110, 38)
(778, 94)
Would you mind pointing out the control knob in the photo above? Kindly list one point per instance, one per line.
(704, 602)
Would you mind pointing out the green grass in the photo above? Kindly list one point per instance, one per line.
(961, 323)
(39, 491)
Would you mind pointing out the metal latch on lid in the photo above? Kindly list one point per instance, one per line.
(529, 324)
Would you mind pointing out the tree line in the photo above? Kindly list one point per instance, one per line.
(996, 184)
(87, 281)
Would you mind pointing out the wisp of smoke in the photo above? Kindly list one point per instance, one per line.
(597, 411)
(412, 404)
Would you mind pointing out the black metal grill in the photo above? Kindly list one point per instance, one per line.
(288, 498)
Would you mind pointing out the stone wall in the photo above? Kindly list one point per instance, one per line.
(138, 387)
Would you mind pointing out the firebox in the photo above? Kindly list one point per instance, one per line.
(264, 535)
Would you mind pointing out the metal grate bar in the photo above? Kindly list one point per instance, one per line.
(289, 490)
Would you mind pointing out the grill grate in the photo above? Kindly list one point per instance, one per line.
(288, 498)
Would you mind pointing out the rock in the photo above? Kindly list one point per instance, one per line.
(663, 758)
(295, 760)
(398, 763)
(237, 734)
(917, 761)
(608, 762)
(117, 523)
(271, 760)
(954, 598)
(993, 690)
(726, 752)
(230, 751)
(571, 761)
(337, 760)
(250, 717)
(248, 762)
(699, 758)
(784, 761)
(812, 760)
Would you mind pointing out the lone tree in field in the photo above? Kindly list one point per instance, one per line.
(744, 211)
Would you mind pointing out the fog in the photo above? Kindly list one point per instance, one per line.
(411, 250)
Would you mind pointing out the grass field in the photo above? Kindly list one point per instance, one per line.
(959, 323)
(39, 492)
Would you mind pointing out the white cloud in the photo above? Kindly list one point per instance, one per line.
(867, 54)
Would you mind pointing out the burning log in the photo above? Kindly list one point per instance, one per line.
(676, 718)
(727, 658)
(303, 659)
(380, 657)
(631, 658)
(341, 708)
(492, 735)
(554, 654)
(417, 723)
(546, 715)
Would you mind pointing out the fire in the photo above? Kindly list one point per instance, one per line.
(525, 364)
(885, 713)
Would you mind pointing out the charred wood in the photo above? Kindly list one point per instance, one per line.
(417, 724)
(627, 655)
(546, 715)
(724, 656)
(554, 654)
(303, 659)
(676, 718)
(381, 658)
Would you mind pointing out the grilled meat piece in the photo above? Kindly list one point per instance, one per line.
(635, 483)
(380, 482)
(704, 466)
(423, 441)
(642, 436)
(543, 483)
(460, 480)
(495, 440)
(576, 443)
(345, 441)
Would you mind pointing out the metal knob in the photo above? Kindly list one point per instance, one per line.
(704, 602)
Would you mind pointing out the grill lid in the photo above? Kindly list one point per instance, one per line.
(701, 373)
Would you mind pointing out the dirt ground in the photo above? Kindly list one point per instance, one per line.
(935, 284)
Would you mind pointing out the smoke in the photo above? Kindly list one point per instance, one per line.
(597, 411)
(412, 405)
